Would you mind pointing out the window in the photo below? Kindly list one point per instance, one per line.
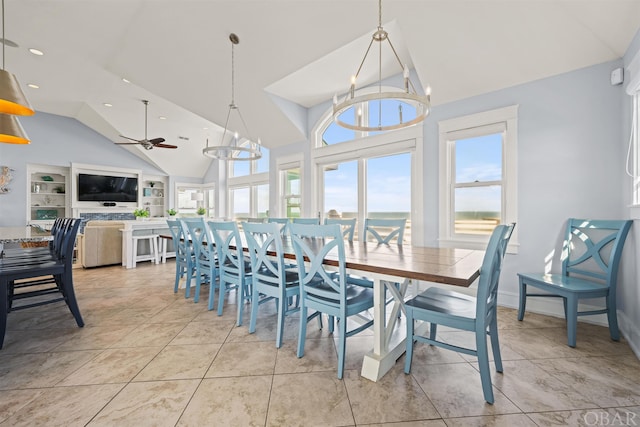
(249, 187)
(370, 174)
(477, 176)
(188, 200)
(292, 200)
(239, 200)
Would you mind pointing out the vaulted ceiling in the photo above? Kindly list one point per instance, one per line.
(292, 54)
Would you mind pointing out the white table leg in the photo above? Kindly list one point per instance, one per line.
(389, 343)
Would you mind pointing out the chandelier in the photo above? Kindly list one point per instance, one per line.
(408, 95)
(233, 146)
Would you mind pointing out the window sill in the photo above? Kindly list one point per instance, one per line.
(475, 244)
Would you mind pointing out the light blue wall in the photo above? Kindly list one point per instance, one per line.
(58, 141)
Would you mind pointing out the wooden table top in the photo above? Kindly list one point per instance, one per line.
(460, 267)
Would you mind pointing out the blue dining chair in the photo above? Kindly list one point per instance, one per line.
(384, 231)
(348, 226)
(47, 279)
(204, 254)
(591, 254)
(323, 291)
(460, 311)
(234, 270)
(183, 254)
(271, 279)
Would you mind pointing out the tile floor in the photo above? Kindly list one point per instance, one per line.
(149, 357)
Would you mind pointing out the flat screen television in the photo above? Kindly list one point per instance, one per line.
(105, 188)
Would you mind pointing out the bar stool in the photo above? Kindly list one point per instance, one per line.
(153, 254)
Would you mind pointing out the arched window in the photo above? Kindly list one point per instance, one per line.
(382, 112)
(370, 174)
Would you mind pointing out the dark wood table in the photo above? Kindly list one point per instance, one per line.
(387, 264)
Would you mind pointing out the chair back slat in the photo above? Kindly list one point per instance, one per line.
(229, 247)
(385, 230)
(348, 226)
(315, 221)
(592, 248)
(261, 240)
(313, 243)
(178, 238)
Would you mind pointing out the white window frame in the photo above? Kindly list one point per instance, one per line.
(407, 140)
(252, 181)
(283, 164)
(466, 127)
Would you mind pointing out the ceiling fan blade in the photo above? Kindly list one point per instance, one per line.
(165, 146)
(131, 139)
(155, 141)
(126, 143)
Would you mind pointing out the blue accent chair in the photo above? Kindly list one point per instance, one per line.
(234, 268)
(183, 256)
(323, 291)
(460, 311)
(591, 254)
(204, 254)
(271, 279)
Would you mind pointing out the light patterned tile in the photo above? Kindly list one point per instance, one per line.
(509, 420)
(156, 403)
(395, 397)
(204, 333)
(315, 398)
(535, 390)
(40, 369)
(179, 362)
(456, 391)
(239, 359)
(597, 380)
(64, 406)
(233, 401)
(112, 366)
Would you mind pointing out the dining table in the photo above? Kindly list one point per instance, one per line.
(21, 235)
(388, 265)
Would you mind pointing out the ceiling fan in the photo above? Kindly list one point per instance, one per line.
(148, 144)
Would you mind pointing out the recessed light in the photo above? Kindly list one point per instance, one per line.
(162, 117)
(106, 104)
(33, 86)
(36, 51)
(125, 80)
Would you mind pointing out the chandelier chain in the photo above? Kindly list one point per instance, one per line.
(233, 74)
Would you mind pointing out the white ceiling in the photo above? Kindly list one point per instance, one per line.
(177, 54)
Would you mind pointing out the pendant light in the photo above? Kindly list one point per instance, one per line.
(234, 146)
(12, 99)
(11, 132)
